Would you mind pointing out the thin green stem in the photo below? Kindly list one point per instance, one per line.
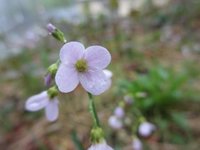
(92, 110)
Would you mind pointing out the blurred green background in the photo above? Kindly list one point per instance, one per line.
(155, 47)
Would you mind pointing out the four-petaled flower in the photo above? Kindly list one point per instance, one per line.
(100, 146)
(83, 65)
(42, 100)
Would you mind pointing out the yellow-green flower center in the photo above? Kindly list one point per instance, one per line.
(81, 65)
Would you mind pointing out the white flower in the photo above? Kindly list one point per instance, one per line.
(146, 129)
(137, 144)
(85, 66)
(119, 112)
(100, 146)
(115, 122)
(42, 100)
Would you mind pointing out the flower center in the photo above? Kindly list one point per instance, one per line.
(81, 65)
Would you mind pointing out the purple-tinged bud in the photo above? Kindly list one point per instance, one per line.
(128, 99)
(136, 144)
(51, 28)
(119, 112)
(47, 80)
(56, 33)
(146, 129)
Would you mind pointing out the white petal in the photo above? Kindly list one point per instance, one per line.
(51, 110)
(108, 73)
(95, 82)
(37, 102)
(100, 146)
(71, 52)
(66, 78)
(97, 57)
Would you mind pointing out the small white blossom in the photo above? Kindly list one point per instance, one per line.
(115, 122)
(146, 129)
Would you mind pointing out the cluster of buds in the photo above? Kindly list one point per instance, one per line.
(118, 119)
(139, 126)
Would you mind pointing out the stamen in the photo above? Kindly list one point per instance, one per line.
(81, 65)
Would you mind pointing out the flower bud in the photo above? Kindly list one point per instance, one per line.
(53, 69)
(52, 92)
(51, 28)
(56, 33)
(97, 135)
(128, 99)
(141, 94)
(119, 112)
(47, 80)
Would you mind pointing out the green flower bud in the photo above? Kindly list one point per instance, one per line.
(56, 33)
(97, 135)
(53, 69)
(140, 94)
(52, 92)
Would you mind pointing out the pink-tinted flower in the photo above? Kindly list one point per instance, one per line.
(115, 122)
(42, 100)
(83, 65)
(100, 146)
(146, 129)
(119, 112)
(136, 144)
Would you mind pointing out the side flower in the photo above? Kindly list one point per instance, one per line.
(115, 122)
(44, 101)
(146, 128)
(137, 144)
(83, 65)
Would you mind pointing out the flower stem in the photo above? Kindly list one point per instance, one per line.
(92, 110)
